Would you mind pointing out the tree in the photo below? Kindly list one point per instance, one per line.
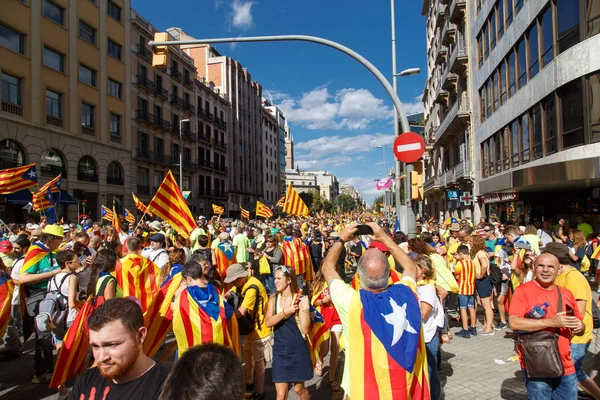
(317, 201)
(378, 202)
(307, 198)
(346, 202)
(328, 206)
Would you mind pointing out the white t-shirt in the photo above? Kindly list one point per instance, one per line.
(428, 295)
(54, 284)
(159, 257)
(15, 274)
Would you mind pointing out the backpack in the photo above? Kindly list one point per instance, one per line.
(54, 308)
(246, 322)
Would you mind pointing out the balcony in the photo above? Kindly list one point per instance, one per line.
(440, 15)
(54, 120)
(441, 96)
(448, 32)
(12, 108)
(189, 166)
(189, 107)
(176, 101)
(440, 58)
(457, 11)
(458, 57)
(144, 116)
(145, 83)
(220, 145)
(88, 130)
(449, 177)
(456, 120)
(162, 124)
(462, 170)
(152, 157)
(205, 114)
(430, 138)
(206, 164)
(449, 80)
(161, 92)
(142, 189)
(221, 122)
(212, 193)
(189, 83)
(220, 168)
(189, 135)
(144, 53)
(175, 74)
(204, 138)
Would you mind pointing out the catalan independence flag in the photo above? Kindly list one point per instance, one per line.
(16, 179)
(199, 317)
(225, 256)
(386, 356)
(7, 287)
(54, 185)
(140, 205)
(294, 204)
(169, 205)
(218, 210)
(317, 334)
(263, 211)
(107, 214)
(42, 200)
(281, 202)
(129, 217)
(596, 254)
(159, 316)
(245, 213)
(136, 276)
(116, 221)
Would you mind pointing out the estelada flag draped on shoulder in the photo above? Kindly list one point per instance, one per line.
(385, 346)
(140, 205)
(225, 257)
(35, 254)
(263, 211)
(18, 178)
(7, 287)
(136, 276)
(169, 205)
(199, 317)
(159, 316)
(294, 204)
(297, 255)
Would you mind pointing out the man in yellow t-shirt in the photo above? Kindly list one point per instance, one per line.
(260, 339)
(573, 280)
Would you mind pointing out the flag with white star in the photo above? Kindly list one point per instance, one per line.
(16, 179)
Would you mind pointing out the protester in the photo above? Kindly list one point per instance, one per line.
(12, 338)
(190, 379)
(483, 285)
(157, 253)
(502, 257)
(122, 370)
(465, 276)
(102, 282)
(523, 319)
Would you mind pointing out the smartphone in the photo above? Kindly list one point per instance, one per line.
(364, 230)
(570, 311)
(521, 245)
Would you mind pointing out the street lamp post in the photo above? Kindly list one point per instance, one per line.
(183, 121)
(385, 202)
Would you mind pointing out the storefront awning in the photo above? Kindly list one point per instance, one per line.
(23, 197)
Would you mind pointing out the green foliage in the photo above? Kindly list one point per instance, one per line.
(317, 201)
(346, 203)
(328, 206)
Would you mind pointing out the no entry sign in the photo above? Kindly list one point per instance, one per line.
(409, 147)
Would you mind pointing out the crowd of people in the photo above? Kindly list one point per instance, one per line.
(290, 291)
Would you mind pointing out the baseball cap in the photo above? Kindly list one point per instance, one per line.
(375, 244)
(157, 237)
(6, 246)
(560, 250)
(235, 271)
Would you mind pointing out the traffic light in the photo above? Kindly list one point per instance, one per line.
(416, 182)
(159, 53)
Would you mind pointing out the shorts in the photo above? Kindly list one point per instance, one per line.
(261, 349)
(466, 301)
(502, 288)
(484, 287)
(336, 328)
(578, 351)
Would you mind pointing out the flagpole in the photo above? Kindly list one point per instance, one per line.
(140, 221)
(3, 223)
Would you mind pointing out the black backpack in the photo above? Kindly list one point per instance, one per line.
(246, 322)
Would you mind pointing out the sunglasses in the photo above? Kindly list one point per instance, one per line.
(283, 268)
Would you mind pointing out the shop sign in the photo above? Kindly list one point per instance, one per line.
(500, 197)
(453, 194)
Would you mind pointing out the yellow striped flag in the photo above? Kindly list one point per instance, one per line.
(596, 254)
(19, 178)
(294, 204)
(136, 276)
(263, 211)
(281, 202)
(218, 209)
(42, 200)
(7, 286)
(169, 205)
(53, 185)
(140, 205)
(245, 213)
(116, 221)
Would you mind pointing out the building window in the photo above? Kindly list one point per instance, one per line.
(495, 89)
(114, 174)
(498, 151)
(512, 74)
(87, 75)
(521, 54)
(567, 15)
(54, 12)
(500, 7)
(87, 33)
(86, 169)
(532, 43)
(514, 132)
(54, 60)
(492, 22)
(571, 107)
(486, 40)
(114, 49)
(12, 39)
(53, 163)
(115, 127)
(593, 92)
(509, 11)
(502, 82)
(87, 117)
(550, 128)
(11, 89)
(536, 118)
(524, 125)
(488, 97)
(547, 37)
(114, 11)
(506, 148)
(115, 88)
(482, 103)
(54, 108)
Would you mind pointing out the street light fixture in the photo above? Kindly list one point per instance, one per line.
(183, 121)
(409, 72)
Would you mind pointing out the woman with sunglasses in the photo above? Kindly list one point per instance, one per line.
(290, 318)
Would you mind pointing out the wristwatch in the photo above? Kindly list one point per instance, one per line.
(340, 240)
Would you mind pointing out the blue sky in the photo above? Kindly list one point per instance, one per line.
(339, 113)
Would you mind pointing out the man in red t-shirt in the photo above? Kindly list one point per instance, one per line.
(536, 293)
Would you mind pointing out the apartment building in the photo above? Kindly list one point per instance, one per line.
(307, 181)
(176, 115)
(278, 154)
(271, 176)
(289, 149)
(448, 134)
(536, 80)
(66, 103)
(245, 152)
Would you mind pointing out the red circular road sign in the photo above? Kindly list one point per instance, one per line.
(409, 147)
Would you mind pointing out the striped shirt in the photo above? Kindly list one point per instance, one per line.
(465, 273)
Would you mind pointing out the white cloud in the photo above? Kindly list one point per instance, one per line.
(348, 108)
(304, 162)
(241, 14)
(323, 146)
(218, 3)
(415, 106)
(364, 186)
(274, 95)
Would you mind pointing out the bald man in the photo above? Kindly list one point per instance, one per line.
(535, 293)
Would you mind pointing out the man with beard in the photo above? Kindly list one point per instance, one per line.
(122, 369)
